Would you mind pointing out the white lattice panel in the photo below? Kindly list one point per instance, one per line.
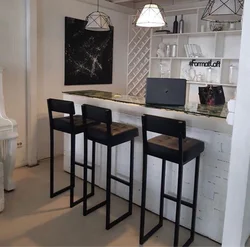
(138, 59)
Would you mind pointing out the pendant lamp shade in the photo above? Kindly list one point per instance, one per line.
(150, 16)
(223, 11)
(98, 21)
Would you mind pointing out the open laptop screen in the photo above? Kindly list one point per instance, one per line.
(166, 91)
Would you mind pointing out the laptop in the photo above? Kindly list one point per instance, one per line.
(166, 91)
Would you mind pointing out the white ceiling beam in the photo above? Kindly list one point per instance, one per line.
(110, 5)
(177, 3)
(122, 1)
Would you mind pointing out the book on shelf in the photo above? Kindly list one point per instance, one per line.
(163, 31)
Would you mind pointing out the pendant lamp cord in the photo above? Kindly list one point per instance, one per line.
(98, 5)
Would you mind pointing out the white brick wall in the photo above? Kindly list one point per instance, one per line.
(212, 184)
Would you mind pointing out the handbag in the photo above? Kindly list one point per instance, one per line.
(212, 95)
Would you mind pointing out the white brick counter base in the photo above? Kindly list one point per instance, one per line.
(213, 173)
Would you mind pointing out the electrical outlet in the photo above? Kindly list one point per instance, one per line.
(19, 145)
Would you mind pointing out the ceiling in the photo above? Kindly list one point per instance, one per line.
(125, 1)
(137, 3)
(129, 3)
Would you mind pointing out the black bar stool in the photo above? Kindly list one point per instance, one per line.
(73, 125)
(110, 134)
(173, 146)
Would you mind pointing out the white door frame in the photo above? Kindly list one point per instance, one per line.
(31, 81)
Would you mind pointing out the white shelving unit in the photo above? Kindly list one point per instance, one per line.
(223, 46)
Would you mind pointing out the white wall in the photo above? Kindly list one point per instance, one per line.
(51, 14)
(13, 59)
(246, 221)
(236, 224)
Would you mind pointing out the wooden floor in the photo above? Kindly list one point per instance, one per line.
(31, 218)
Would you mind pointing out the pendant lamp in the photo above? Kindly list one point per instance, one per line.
(98, 21)
(151, 15)
(223, 11)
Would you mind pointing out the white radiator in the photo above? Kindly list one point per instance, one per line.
(8, 143)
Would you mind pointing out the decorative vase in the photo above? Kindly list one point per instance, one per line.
(175, 25)
(216, 26)
(181, 25)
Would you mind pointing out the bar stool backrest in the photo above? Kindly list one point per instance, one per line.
(97, 114)
(61, 106)
(164, 126)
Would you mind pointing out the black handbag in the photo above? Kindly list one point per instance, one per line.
(212, 95)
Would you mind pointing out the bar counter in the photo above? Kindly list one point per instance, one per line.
(205, 123)
(189, 108)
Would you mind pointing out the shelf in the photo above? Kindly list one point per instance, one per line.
(181, 12)
(161, 58)
(189, 58)
(165, 34)
(199, 34)
(215, 84)
(231, 32)
(195, 58)
(228, 58)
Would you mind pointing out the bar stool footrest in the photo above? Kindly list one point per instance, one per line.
(120, 180)
(150, 233)
(59, 192)
(83, 165)
(94, 208)
(117, 221)
(189, 241)
(172, 198)
(81, 199)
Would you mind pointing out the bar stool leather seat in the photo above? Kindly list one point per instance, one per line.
(167, 147)
(63, 124)
(120, 133)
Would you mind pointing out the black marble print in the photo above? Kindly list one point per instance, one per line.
(88, 54)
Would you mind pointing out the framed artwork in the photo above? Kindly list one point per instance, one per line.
(88, 54)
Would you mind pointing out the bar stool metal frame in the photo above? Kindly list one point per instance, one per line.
(176, 129)
(72, 125)
(104, 116)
